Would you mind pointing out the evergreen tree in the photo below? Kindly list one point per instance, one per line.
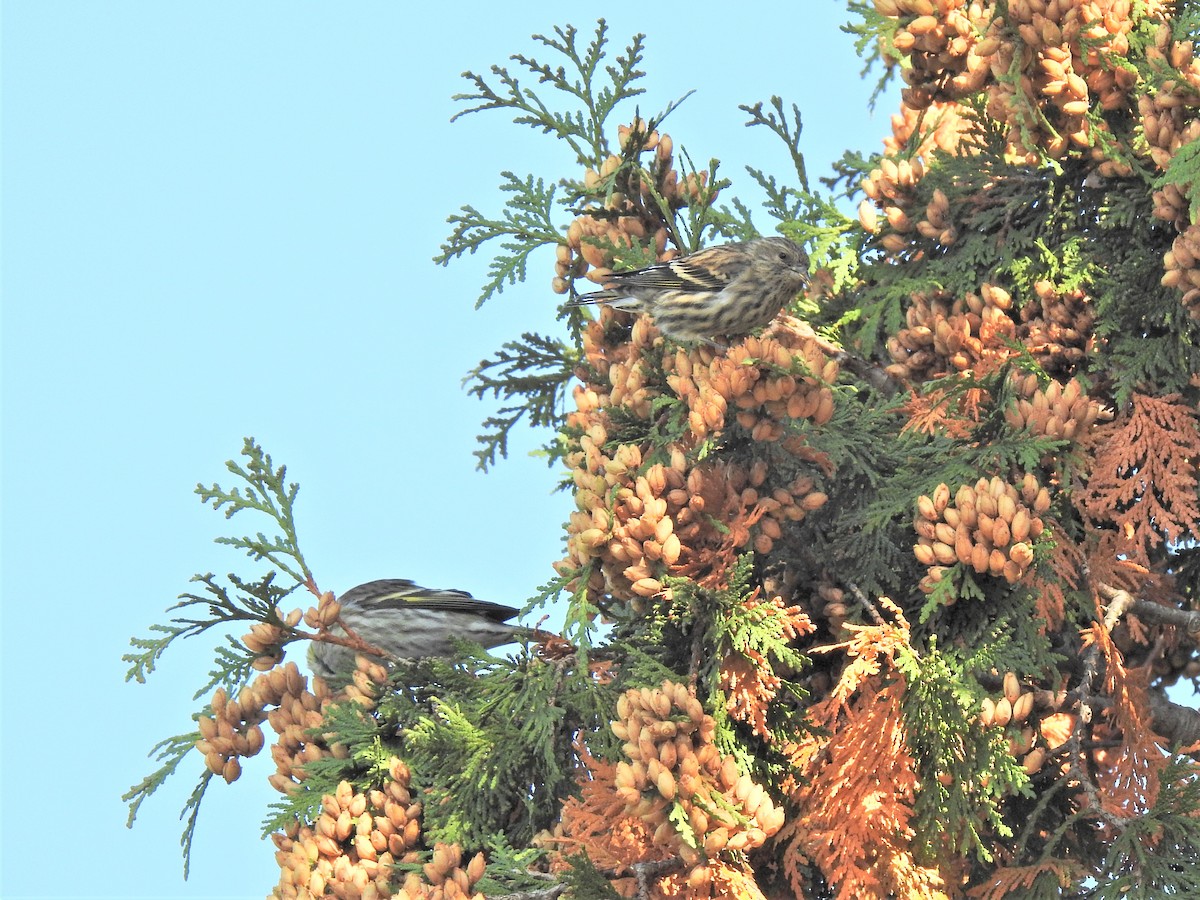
(881, 601)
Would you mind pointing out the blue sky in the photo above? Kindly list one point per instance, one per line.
(218, 221)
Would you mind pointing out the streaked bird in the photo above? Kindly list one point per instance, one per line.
(408, 621)
(730, 289)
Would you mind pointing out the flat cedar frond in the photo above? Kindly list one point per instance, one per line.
(1143, 479)
(1049, 600)
(1066, 562)
(855, 796)
(1105, 565)
(595, 822)
(734, 881)
(975, 399)
(750, 686)
(868, 644)
(747, 676)
(855, 782)
(1015, 881)
(1129, 786)
(935, 412)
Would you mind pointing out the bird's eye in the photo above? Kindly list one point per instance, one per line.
(783, 257)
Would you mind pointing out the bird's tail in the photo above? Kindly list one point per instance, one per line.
(594, 297)
(615, 299)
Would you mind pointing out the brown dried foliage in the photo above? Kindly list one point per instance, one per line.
(1143, 478)
(854, 781)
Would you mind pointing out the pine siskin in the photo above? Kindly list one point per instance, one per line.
(730, 289)
(409, 621)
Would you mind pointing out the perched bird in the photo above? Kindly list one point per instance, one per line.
(730, 289)
(409, 621)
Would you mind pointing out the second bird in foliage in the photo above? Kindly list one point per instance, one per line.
(408, 621)
(730, 289)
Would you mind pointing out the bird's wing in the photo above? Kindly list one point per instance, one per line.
(393, 593)
(704, 270)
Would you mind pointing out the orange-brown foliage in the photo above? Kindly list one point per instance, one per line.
(1129, 781)
(854, 782)
(1143, 478)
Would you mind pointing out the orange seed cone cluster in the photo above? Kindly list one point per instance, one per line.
(890, 187)
(1059, 411)
(747, 677)
(297, 714)
(1070, 62)
(674, 763)
(783, 374)
(640, 522)
(990, 527)
(1066, 63)
(1035, 725)
(974, 334)
(941, 41)
(350, 851)
(629, 214)
(1056, 327)
(945, 335)
(1169, 121)
(446, 878)
(234, 730)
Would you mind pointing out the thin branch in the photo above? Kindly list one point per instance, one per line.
(1074, 743)
(645, 871)
(866, 603)
(872, 374)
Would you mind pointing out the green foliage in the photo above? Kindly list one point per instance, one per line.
(687, 225)
(777, 122)
(530, 377)
(263, 492)
(582, 128)
(369, 749)
(245, 601)
(878, 473)
(255, 601)
(961, 814)
(701, 629)
(872, 32)
(761, 631)
(511, 869)
(583, 879)
(171, 752)
(491, 743)
(583, 616)
(1148, 337)
(527, 221)
(1000, 635)
(1158, 854)
(251, 602)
